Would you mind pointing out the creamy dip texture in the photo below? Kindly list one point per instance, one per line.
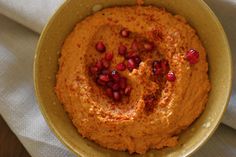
(133, 78)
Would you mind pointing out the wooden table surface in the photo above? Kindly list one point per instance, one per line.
(10, 146)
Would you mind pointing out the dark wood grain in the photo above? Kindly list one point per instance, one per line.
(10, 146)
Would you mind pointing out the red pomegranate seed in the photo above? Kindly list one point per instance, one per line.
(156, 64)
(105, 64)
(100, 82)
(130, 64)
(100, 47)
(124, 33)
(116, 86)
(157, 69)
(122, 92)
(123, 82)
(115, 75)
(128, 90)
(99, 65)
(170, 76)
(110, 84)
(105, 71)
(122, 50)
(131, 54)
(109, 92)
(109, 56)
(93, 70)
(135, 46)
(192, 56)
(104, 78)
(148, 46)
(137, 60)
(116, 96)
(121, 67)
(164, 66)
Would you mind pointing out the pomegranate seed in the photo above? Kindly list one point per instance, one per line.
(149, 46)
(123, 82)
(116, 96)
(121, 67)
(130, 54)
(116, 86)
(192, 56)
(100, 47)
(124, 33)
(170, 76)
(105, 64)
(156, 64)
(130, 64)
(93, 70)
(164, 66)
(157, 71)
(109, 92)
(109, 56)
(100, 82)
(104, 78)
(99, 65)
(115, 75)
(105, 71)
(110, 84)
(122, 50)
(137, 60)
(128, 90)
(135, 46)
(122, 92)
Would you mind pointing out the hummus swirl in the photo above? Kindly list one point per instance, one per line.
(130, 124)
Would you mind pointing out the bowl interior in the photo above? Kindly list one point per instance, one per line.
(62, 23)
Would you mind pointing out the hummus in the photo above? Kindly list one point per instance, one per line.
(159, 106)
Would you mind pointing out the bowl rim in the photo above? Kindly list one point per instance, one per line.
(79, 152)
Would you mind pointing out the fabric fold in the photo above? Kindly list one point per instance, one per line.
(32, 14)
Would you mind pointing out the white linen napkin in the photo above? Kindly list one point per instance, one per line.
(17, 101)
(32, 14)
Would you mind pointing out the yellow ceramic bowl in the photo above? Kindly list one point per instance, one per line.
(72, 11)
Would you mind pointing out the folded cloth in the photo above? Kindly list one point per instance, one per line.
(17, 101)
(32, 14)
